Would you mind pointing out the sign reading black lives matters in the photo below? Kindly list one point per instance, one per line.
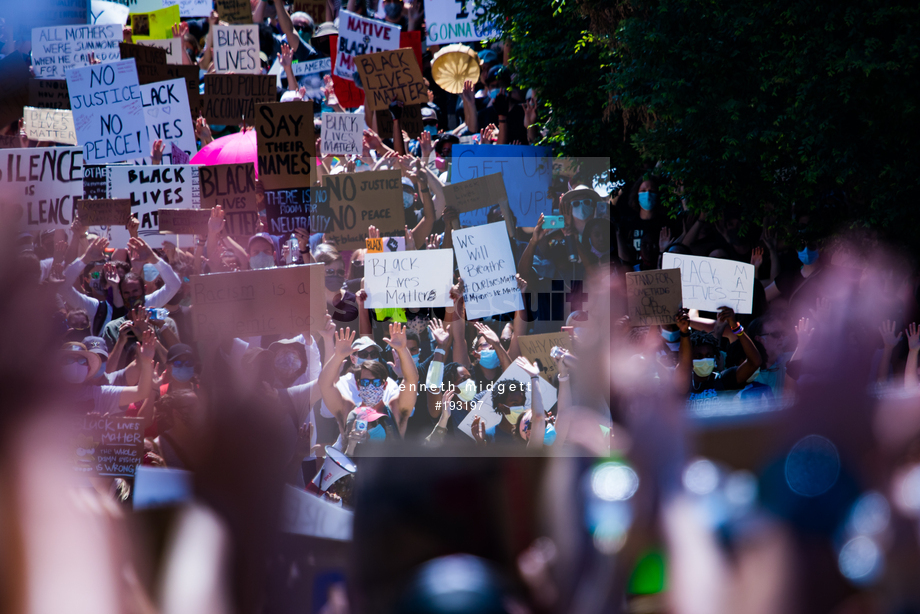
(233, 187)
(107, 446)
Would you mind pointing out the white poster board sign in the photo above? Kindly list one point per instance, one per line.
(342, 134)
(107, 112)
(450, 21)
(236, 49)
(192, 8)
(55, 125)
(168, 117)
(409, 279)
(359, 36)
(710, 283)
(486, 411)
(488, 270)
(104, 12)
(42, 185)
(58, 49)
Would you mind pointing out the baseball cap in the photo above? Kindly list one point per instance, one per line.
(368, 414)
(264, 236)
(178, 351)
(428, 114)
(362, 343)
(92, 359)
(97, 346)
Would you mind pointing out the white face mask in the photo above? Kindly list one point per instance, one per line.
(704, 367)
(75, 373)
(261, 261)
(466, 390)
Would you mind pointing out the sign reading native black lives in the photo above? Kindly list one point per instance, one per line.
(286, 146)
(233, 187)
(357, 201)
(359, 36)
(108, 446)
(278, 301)
(151, 188)
(287, 210)
(231, 99)
(488, 270)
(40, 186)
(653, 297)
(107, 112)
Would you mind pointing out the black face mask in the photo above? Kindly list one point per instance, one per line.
(356, 271)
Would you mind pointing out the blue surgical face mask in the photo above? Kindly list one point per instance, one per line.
(808, 256)
(101, 370)
(183, 374)
(415, 360)
(408, 199)
(378, 433)
(648, 200)
(150, 272)
(493, 93)
(543, 268)
(671, 336)
(432, 130)
(489, 359)
(550, 435)
(261, 261)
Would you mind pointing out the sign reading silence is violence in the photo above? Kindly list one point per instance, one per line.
(286, 146)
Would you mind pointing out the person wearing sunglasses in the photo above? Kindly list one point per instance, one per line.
(367, 383)
(341, 304)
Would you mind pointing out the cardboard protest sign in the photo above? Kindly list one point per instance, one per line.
(168, 117)
(236, 49)
(234, 11)
(286, 145)
(536, 348)
(107, 112)
(104, 12)
(449, 21)
(14, 75)
(343, 134)
(488, 270)
(189, 74)
(104, 212)
(155, 24)
(278, 301)
(229, 99)
(107, 445)
(391, 75)
(150, 61)
(316, 9)
(192, 8)
(359, 200)
(39, 186)
(287, 210)
(95, 181)
(710, 283)
(653, 297)
(177, 155)
(472, 194)
(48, 94)
(387, 245)
(486, 411)
(526, 171)
(183, 221)
(49, 125)
(151, 188)
(233, 187)
(56, 50)
(172, 47)
(410, 122)
(360, 36)
(22, 17)
(348, 93)
(409, 279)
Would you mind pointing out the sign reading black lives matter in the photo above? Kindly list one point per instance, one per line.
(233, 187)
(107, 446)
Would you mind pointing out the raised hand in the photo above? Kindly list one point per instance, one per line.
(133, 226)
(530, 368)
(913, 337)
(424, 143)
(804, 330)
(141, 248)
(887, 330)
(203, 131)
(372, 232)
(682, 319)
(156, 152)
(757, 257)
(478, 428)
(111, 274)
(286, 57)
(822, 310)
(343, 341)
(727, 315)
(373, 139)
(434, 242)
(148, 345)
(329, 92)
(410, 240)
(397, 338)
(303, 238)
(467, 94)
(96, 250)
(361, 297)
(664, 239)
(216, 221)
(488, 334)
(327, 332)
(530, 111)
(538, 231)
(521, 282)
(487, 134)
(438, 332)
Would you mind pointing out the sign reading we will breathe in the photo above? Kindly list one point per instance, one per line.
(107, 112)
(488, 270)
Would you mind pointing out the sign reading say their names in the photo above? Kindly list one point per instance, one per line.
(537, 348)
(359, 200)
(710, 283)
(488, 270)
(229, 99)
(285, 142)
(343, 134)
(278, 301)
(391, 75)
(653, 297)
(168, 117)
(151, 188)
(236, 49)
(39, 186)
(105, 212)
(409, 279)
(233, 187)
(58, 49)
(53, 125)
(184, 221)
(360, 36)
(107, 112)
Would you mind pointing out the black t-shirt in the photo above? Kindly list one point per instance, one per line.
(633, 228)
(344, 312)
(717, 382)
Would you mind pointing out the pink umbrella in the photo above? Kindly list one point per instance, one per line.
(231, 149)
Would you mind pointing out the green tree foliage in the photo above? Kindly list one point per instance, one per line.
(786, 108)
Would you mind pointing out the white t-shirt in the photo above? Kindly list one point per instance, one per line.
(105, 398)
